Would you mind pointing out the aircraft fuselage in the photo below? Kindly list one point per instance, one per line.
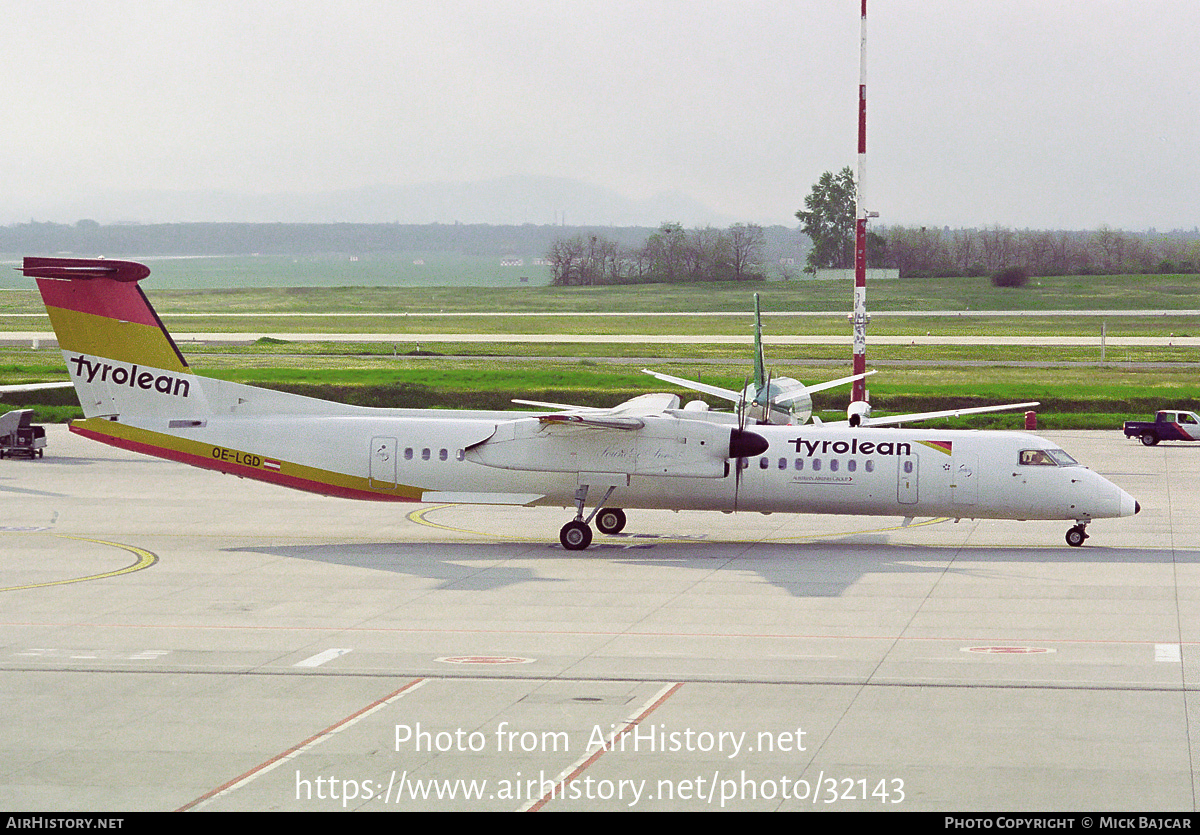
(402, 455)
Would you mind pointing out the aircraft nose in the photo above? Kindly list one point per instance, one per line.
(1129, 505)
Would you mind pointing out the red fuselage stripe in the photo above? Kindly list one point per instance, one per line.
(272, 477)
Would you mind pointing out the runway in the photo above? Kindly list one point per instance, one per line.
(46, 339)
(178, 639)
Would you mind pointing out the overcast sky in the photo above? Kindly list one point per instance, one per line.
(1024, 113)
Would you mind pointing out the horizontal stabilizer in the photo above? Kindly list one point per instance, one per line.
(70, 268)
(715, 391)
(839, 382)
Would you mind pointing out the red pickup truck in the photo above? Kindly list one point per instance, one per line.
(1167, 425)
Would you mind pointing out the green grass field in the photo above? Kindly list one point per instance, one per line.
(399, 269)
(491, 374)
(479, 285)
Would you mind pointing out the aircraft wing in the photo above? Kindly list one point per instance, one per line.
(598, 421)
(542, 405)
(34, 387)
(639, 437)
(715, 391)
(889, 420)
(627, 415)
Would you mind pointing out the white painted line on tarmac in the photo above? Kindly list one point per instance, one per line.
(1168, 652)
(321, 657)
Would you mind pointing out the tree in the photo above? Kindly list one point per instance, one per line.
(566, 261)
(747, 242)
(706, 255)
(828, 220)
(665, 252)
(587, 261)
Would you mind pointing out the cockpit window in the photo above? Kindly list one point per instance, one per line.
(1036, 457)
(1063, 459)
(1046, 458)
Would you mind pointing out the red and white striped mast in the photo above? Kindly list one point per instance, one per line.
(859, 390)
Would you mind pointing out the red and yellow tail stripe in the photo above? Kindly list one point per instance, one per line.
(98, 309)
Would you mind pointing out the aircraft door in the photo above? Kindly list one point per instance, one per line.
(383, 464)
(906, 485)
(964, 479)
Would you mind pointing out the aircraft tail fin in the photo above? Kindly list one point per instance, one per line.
(115, 346)
(98, 309)
(760, 364)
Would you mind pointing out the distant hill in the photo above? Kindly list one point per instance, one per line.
(89, 239)
(432, 253)
(504, 201)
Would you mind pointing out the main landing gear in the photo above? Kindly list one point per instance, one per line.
(610, 520)
(576, 535)
(1077, 534)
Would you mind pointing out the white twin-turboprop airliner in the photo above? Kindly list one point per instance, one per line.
(138, 393)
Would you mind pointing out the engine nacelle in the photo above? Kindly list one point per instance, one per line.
(857, 411)
(663, 446)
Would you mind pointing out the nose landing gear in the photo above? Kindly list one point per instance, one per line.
(1077, 534)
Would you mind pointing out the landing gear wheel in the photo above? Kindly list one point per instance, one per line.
(610, 520)
(1076, 536)
(575, 536)
(1149, 438)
